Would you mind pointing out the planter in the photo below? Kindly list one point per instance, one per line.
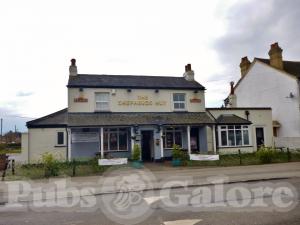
(3, 161)
(137, 164)
(176, 162)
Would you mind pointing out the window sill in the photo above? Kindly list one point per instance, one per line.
(107, 151)
(242, 146)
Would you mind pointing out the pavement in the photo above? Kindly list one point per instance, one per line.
(155, 178)
(176, 196)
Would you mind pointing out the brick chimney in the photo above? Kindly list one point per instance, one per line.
(73, 68)
(275, 54)
(244, 65)
(189, 73)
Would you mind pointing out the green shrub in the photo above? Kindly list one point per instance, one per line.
(51, 165)
(176, 152)
(266, 155)
(136, 154)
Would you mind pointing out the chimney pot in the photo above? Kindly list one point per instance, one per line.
(73, 68)
(189, 73)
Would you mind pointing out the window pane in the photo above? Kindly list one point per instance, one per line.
(123, 141)
(169, 140)
(102, 97)
(175, 97)
(60, 138)
(181, 105)
(224, 138)
(237, 127)
(231, 140)
(223, 127)
(102, 106)
(238, 137)
(246, 137)
(230, 127)
(105, 141)
(176, 105)
(178, 140)
(113, 141)
(181, 97)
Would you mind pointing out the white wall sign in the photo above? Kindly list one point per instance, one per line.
(200, 157)
(115, 161)
(85, 137)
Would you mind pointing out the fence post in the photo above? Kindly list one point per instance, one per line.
(13, 167)
(240, 156)
(73, 168)
(288, 154)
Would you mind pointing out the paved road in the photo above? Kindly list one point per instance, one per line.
(180, 206)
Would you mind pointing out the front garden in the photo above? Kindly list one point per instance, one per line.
(50, 167)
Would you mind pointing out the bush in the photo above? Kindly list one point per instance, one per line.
(136, 154)
(266, 155)
(51, 165)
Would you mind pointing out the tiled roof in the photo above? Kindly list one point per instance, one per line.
(132, 81)
(291, 67)
(111, 119)
(57, 119)
(231, 119)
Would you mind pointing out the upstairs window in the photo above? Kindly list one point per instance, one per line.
(102, 101)
(179, 101)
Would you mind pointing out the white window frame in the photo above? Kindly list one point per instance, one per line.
(183, 109)
(102, 110)
(172, 130)
(234, 129)
(118, 144)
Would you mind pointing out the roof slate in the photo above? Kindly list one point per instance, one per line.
(111, 119)
(231, 119)
(57, 119)
(132, 81)
(291, 67)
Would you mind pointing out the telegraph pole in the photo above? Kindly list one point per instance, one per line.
(1, 130)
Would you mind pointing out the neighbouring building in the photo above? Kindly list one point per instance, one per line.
(274, 83)
(108, 114)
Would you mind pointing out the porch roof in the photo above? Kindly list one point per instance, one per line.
(231, 119)
(142, 118)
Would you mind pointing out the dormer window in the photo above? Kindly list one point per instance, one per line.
(179, 101)
(102, 101)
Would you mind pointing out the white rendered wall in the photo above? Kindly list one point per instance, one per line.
(41, 140)
(265, 86)
(161, 101)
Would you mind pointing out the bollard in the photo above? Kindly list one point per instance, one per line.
(240, 156)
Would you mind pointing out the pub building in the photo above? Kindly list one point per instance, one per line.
(108, 114)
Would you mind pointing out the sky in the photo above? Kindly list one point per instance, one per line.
(157, 37)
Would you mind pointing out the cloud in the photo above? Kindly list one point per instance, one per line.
(252, 26)
(24, 94)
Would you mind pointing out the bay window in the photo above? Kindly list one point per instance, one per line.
(233, 135)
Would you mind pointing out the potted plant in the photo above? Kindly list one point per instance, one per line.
(177, 155)
(136, 157)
